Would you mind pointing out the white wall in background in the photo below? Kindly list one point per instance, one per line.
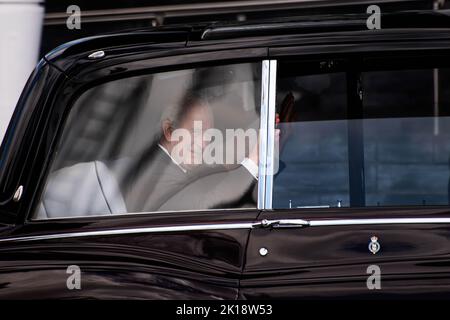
(20, 37)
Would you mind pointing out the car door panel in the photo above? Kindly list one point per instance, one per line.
(332, 261)
(193, 254)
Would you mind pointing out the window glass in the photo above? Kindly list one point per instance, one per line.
(179, 140)
(406, 137)
(362, 138)
(313, 153)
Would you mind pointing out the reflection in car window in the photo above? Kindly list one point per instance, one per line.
(179, 140)
(368, 138)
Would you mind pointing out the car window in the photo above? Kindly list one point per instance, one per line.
(178, 140)
(371, 137)
(313, 166)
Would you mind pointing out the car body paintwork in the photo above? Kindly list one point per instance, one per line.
(310, 262)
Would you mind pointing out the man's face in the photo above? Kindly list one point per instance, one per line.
(195, 123)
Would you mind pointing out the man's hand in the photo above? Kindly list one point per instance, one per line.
(254, 153)
(287, 115)
(287, 110)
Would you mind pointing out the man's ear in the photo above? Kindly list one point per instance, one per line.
(167, 129)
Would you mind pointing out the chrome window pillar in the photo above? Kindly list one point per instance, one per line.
(272, 224)
(265, 69)
(267, 148)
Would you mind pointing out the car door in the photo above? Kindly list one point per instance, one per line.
(358, 205)
(74, 228)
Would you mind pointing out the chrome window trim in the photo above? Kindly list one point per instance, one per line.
(299, 223)
(281, 223)
(261, 186)
(264, 114)
(199, 227)
(380, 221)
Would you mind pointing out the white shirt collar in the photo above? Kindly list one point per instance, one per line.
(173, 160)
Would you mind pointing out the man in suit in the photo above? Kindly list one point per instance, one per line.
(155, 180)
(164, 181)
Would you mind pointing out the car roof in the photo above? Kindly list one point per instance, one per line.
(214, 32)
(326, 23)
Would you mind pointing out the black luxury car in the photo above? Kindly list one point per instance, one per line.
(319, 164)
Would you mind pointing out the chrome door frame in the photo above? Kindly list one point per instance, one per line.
(267, 224)
(267, 148)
